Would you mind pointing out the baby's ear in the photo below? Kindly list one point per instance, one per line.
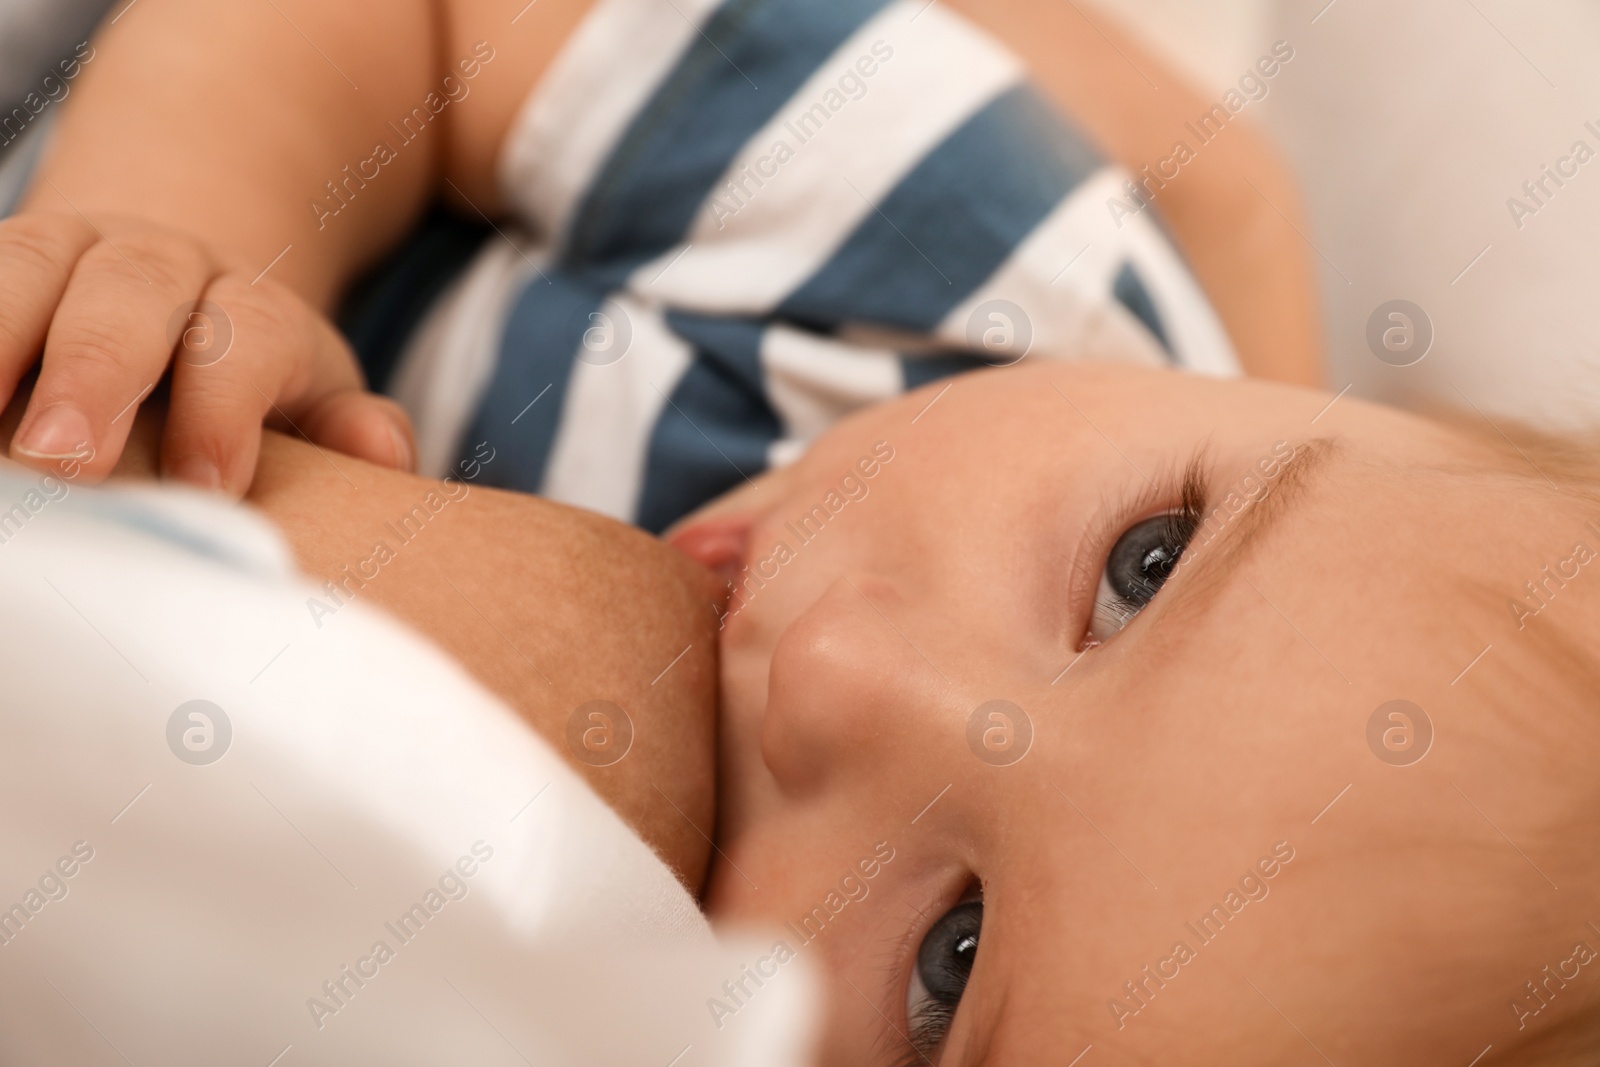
(716, 542)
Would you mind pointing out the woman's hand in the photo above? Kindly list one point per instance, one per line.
(112, 304)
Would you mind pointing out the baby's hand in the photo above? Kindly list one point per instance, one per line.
(112, 304)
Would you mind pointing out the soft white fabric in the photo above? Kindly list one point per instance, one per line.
(602, 440)
(1208, 41)
(1412, 126)
(208, 904)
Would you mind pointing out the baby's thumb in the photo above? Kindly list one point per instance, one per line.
(364, 425)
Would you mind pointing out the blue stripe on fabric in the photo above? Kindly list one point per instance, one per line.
(383, 309)
(745, 63)
(952, 221)
(537, 350)
(920, 370)
(718, 426)
(1133, 294)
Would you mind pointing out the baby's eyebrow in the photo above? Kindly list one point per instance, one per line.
(1236, 535)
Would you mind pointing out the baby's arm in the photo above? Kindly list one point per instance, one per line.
(195, 143)
(221, 121)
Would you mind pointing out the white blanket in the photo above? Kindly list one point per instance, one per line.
(347, 853)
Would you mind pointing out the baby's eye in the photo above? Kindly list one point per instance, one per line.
(1139, 565)
(944, 963)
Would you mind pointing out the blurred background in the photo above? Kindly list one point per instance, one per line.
(1410, 127)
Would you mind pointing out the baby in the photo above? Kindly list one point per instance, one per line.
(1135, 682)
(958, 698)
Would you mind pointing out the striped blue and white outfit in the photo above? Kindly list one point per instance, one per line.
(739, 220)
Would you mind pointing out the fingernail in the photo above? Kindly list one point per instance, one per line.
(58, 432)
(197, 471)
(403, 458)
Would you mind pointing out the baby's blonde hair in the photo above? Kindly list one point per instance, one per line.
(1565, 470)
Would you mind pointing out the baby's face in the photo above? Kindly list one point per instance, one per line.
(967, 671)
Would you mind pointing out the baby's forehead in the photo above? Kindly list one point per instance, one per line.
(970, 433)
(1042, 397)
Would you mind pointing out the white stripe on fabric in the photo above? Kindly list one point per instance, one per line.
(449, 361)
(602, 77)
(784, 451)
(813, 382)
(1061, 277)
(747, 252)
(1193, 329)
(602, 442)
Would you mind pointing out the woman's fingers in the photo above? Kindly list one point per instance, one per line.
(259, 353)
(108, 345)
(37, 254)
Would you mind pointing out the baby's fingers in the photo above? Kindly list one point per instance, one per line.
(108, 346)
(259, 353)
(37, 253)
(363, 424)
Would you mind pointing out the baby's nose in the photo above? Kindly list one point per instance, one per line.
(849, 686)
